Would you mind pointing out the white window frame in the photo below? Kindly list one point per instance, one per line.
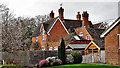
(56, 48)
(43, 37)
(119, 40)
(43, 49)
(81, 34)
(87, 37)
(36, 39)
(50, 48)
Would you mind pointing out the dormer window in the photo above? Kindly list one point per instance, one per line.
(81, 34)
(36, 39)
(87, 37)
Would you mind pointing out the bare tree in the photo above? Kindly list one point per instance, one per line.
(17, 32)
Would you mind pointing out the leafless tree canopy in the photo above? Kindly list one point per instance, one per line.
(16, 32)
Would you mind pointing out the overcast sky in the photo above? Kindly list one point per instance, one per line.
(98, 10)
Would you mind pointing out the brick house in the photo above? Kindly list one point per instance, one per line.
(76, 43)
(49, 33)
(93, 34)
(112, 43)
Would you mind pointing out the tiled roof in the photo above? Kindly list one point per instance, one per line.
(97, 25)
(72, 24)
(71, 37)
(117, 21)
(37, 31)
(69, 24)
(46, 25)
(77, 46)
(95, 33)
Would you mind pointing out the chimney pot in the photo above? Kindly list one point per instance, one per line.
(51, 15)
(61, 10)
(85, 22)
(78, 16)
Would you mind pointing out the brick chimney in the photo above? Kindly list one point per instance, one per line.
(61, 10)
(85, 22)
(78, 16)
(51, 15)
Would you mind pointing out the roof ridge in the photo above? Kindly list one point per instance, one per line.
(102, 35)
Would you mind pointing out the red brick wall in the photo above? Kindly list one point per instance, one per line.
(111, 46)
(85, 32)
(57, 32)
(42, 42)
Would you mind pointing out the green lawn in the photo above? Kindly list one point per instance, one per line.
(84, 65)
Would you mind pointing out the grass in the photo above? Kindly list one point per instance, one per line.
(10, 66)
(83, 65)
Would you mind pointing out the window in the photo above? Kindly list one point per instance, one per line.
(43, 37)
(36, 39)
(76, 37)
(87, 37)
(55, 48)
(81, 34)
(50, 48)
(43, 49)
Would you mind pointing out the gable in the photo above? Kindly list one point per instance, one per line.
(101, 26)
(58, 19)
(85, 32)
(92, 45)
(57, 32)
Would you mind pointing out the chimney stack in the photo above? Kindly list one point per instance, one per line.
(61, 10)
(85, 22)
(51, 15)
(78, 16)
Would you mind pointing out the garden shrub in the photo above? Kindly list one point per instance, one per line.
(57, 62)
(61, 51)
(50, 60)
(77, 57)
(69, 59)
(43, 63)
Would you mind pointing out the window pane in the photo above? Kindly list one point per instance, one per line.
(87, 37)
(81, 34)
(50, 48)
(43, 49)
(36, 39)
(55, 48)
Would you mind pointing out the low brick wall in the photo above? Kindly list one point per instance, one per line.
(28, 57)
(36, 56)
(19, 57)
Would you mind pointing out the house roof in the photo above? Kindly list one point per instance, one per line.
(72, 24)
(37, 31)
(69, 24)
(117, 21)
(97, 25)
(46, 25)
(77, 46)
(95, 33)
(71, 37)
